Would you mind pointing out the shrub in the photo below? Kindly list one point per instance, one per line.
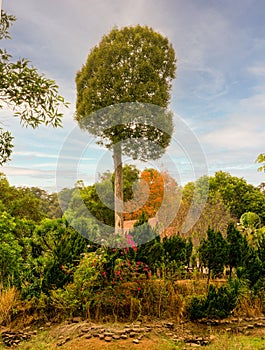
(218, 303)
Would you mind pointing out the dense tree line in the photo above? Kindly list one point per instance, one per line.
(41, 253)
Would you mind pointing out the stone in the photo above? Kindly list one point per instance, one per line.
(116, 337)
(61, 343)
(136, 341)
(108, 339)
(132, 334)
(127, 330)
(135, 329)
(85, 330)
(124, 336)
(108, 334)
(259, 324)
(170, 325)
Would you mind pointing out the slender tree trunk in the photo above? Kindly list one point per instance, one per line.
(118, 188)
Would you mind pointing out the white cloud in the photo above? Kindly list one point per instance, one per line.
(258, 70)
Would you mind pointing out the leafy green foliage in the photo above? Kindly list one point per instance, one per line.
(261, 160)
(132, 64)
(10, 250)
(56, 250)
(238, 195)
(218, 303)
(6, 146)
(234, 247)
(129, 64)
(28, 203)
(32, 97)
(213, 252)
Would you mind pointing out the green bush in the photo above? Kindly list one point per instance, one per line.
(218, 303)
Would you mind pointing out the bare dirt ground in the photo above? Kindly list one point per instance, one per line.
(77, 334)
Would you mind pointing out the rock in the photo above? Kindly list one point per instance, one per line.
(108, 334)
(259, 324)
(127, 330)
(135, 329)
(88, 336)
(85, 330)
(132, 334)
(142, 330)
(108, 339)
(76, 319)
(178, 340)
(61, 343)
(169, 334)
(116, 337)
(250, 326)
(137, 325)
(136, 341)
(124, 336)
(170, 325)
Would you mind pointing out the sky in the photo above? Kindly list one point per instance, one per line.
(218, 96)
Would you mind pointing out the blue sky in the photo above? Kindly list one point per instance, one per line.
(218, 95)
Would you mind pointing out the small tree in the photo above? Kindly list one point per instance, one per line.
(213, 252)
(130, 65)
(234, 247)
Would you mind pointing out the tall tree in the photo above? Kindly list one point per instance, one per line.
(130, 65)
(32, 97)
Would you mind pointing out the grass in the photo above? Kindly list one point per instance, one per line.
(8, 300)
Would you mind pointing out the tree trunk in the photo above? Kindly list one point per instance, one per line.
(118, 188)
